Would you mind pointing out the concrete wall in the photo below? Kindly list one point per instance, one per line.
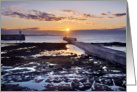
(102, 52)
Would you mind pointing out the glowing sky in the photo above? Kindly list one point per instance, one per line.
(59, 15)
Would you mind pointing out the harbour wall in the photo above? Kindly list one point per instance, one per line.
(12, 37)
(100, 51)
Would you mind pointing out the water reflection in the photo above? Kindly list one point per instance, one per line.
(71, 50)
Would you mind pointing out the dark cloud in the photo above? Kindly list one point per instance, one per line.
(68, 11)
(104, 14)
(114, 15)
(34, 28)
(91, 16)
(36, 15)
(119, 14)
(78, 13)
(23, 29)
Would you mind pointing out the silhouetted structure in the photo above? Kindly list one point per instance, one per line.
(13, 37)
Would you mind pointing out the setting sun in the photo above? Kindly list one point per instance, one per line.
(67, 29)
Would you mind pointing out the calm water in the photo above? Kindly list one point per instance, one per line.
(100, 36)
(84, 37)
(90, 36)
(39, 39)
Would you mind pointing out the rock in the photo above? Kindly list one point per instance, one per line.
(107, 81)
(38, 81)
(67, 80)
(100, 87)
(124, 83)
(64, 88)
(51, 66)
(83, 56)
(58, 69)
(50, 87)
(15, 87)
(83, 80)
(120, 82)
(67, 66)
(121, 89)
(75, 55)
(48, 80)
(56, 80)
(85, 86)
(75, 84)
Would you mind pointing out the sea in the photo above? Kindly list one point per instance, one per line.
(82, 36)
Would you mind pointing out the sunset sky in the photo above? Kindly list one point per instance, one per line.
(60, 15)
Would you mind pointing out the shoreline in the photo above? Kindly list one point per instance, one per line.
(52, 67)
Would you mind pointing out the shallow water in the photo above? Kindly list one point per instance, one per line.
(38, 76)
(71, 49)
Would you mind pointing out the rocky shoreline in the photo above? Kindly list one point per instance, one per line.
(49, 67)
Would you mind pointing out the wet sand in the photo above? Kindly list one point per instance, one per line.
(54, 67)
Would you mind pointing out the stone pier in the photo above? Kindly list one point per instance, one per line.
(12, 37)
(100, 51)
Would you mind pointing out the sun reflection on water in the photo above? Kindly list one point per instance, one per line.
(71, 50)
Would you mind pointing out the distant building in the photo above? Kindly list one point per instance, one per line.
(20, 33)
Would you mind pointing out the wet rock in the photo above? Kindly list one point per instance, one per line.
(11, 61)
(51, 66)
(124, 83)
(120, 82)
(85, 86)
(107, 81)
(67, 80)
(83, 56)
(64, 88)
(50, 87)
(56, 80)
(75, 55)
(14, 87)
(75, 84)
(22, 70)
(67, 66)
(120, 89)
(48, 80)
(3, 72)
(100, 87)
(44, 57)
(83, 80)
(58, 69)
(38, 80)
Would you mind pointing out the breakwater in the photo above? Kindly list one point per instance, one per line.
(12, 37)
(100, 51)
